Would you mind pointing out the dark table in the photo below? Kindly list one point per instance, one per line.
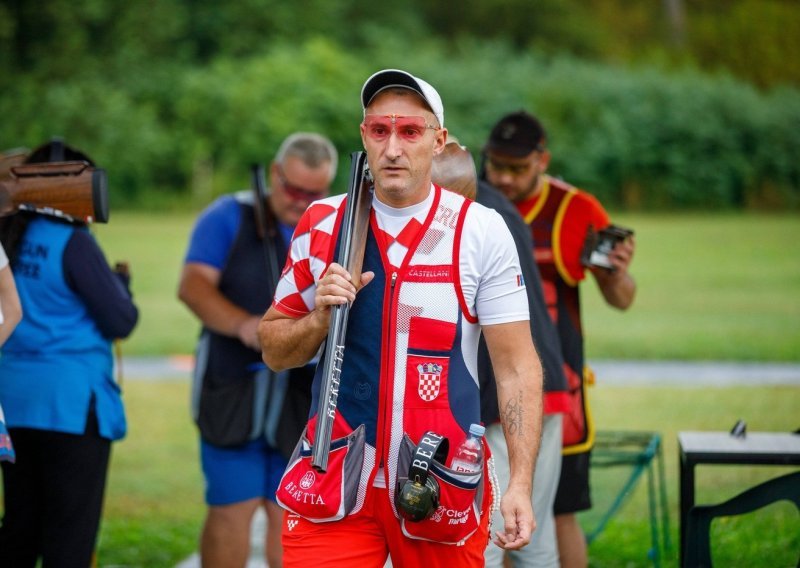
(755, 448)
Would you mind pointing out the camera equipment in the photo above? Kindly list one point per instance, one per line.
(418, 496)
(599, 244)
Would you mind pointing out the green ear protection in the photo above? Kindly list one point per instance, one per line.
(418, 497)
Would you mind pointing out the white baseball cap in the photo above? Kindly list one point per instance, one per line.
(388, 78)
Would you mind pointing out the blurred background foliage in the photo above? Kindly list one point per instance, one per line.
(674, 104)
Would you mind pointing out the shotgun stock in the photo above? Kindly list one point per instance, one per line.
(350, 255)
(74, 191)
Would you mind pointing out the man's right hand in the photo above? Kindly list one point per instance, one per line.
(290, 342)
(336, 288)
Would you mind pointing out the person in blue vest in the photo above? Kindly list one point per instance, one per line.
(249, 418)
(62, 406)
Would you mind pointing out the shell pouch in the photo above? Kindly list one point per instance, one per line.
(460, 495)
(323, 497)
(575, 418)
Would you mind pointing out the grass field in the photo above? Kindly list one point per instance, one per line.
(154, 501)
(723, 287)
(711, 287)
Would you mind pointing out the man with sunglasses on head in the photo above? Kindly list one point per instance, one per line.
(560, 216)
(439, 270)
(249, 417)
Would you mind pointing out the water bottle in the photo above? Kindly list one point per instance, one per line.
(469, 455)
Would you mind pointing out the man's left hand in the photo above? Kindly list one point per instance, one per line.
(622, 255)
(518, 519)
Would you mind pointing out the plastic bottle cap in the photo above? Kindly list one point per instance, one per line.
(477, 430)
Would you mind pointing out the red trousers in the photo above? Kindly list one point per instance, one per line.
(367, 538)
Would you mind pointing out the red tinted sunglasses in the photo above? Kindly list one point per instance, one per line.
(298, 193)
(409, 128)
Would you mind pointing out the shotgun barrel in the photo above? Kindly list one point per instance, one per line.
(350, 254)
(259, 186)
(265, 224)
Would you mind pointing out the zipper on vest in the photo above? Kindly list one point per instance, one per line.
(389, 352)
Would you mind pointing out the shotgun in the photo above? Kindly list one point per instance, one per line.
(265, 224)
(350, 254)
(259, 185)
(74, 191)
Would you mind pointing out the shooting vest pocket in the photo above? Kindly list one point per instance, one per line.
(232, 409)
(458, 515)
(427, 398)
(579, 429)
(225, 412)
(324, 497)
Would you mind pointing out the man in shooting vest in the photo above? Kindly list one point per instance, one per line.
(439, 270)
(249, 417)
(560, 217)
(455, 164)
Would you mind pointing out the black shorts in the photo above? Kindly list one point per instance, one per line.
(573, 493)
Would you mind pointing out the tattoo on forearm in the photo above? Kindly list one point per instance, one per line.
(513, 414)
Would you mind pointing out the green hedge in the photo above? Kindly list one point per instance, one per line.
(638, 138)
